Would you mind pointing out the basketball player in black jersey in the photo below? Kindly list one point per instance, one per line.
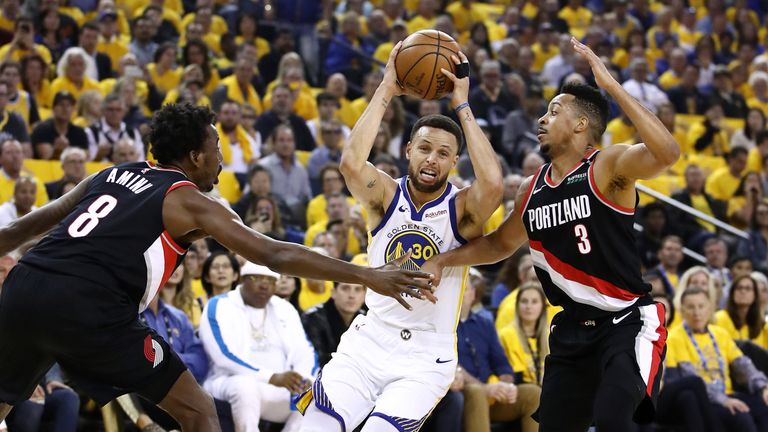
(116, 238)
(577, 214)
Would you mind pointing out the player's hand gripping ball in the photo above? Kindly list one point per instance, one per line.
(419, 60)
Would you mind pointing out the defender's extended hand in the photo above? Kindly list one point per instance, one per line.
(392, 281)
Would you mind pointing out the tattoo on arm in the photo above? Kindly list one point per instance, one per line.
(371, 184)
(468, 116)
(384, 103)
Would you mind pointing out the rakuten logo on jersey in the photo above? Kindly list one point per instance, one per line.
(435, 214)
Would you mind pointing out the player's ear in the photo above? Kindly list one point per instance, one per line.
(582, 124)
(408, 151)
(196, 157)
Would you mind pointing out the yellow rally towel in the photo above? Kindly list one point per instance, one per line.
(242, 141)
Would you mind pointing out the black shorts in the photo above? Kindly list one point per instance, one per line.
(624, 350)
(95, 336)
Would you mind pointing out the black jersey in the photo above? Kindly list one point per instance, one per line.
(582, 244)
(115, 235)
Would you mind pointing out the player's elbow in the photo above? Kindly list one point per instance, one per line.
(349, 164)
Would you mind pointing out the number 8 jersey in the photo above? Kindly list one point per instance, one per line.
(582, 244)
(426, 231)
(115, 236)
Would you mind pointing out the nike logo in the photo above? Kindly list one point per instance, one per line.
(442, 361)
(620, 319)
(402, 209)
(538, 190)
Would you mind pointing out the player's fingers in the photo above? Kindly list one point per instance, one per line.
(418, 274)
(455, 59)
(429, 296)
(448, 73)
(402, 301)
(463, 57)
(394, 52)
(399, 261)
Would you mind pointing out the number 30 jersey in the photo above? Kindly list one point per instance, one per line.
(114, 236)
(426, 231)
(582, 244)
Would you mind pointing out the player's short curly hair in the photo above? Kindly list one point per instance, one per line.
(177, 129)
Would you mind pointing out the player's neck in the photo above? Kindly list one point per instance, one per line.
(564, 163)
(420, 198)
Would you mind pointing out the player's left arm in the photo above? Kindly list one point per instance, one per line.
(482, 198)
(41, 220)
(659, 149)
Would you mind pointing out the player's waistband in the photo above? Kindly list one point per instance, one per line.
(403, 333)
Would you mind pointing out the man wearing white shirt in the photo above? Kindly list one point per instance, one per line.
(24, 194)
(648, 94)
(560, 65)
(259, 352)
(105, 133)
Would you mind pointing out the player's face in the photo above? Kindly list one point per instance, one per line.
(530, 306)
(432, 154)
(349, 298)
(210, 162)
(696, 311)
(556, 125)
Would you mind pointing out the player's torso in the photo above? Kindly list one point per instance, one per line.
(427, 231)
(582, 244)
(115, 235)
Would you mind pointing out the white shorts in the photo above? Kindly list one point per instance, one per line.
(398, 374)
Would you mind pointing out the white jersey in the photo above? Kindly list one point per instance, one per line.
(427, 231)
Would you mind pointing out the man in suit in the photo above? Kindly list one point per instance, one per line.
(89, 39)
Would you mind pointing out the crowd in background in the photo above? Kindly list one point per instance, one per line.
(80, 79)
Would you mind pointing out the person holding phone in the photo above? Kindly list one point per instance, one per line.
(23, 43)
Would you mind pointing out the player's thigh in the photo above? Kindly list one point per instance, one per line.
(407, 403)
(567, 394)
(128, 357)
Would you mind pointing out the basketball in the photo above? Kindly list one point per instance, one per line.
(419, 60)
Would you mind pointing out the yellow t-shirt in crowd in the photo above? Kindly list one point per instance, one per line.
(669, 79)
(752, 102)
(721, 184)
(353, 245)
(521, 361)
(754, 161)
(720, 140)
(578, 20)
(541, 55)
(64, 84)
(464, 18)
(235, 93)
(309, 298)
(316, 209)
(508, 309)
(700, 203)
(166, 82)
(115, 48)
(7, 184)
(21, 106)
(681, 350)
(420, 23)
(304, 105)
(723, 319)
(218, 24)
(620, 132)
(19, 54)
(262, 46)
(173, 96)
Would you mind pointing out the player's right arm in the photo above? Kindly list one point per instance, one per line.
(189, 215)
(367, 184)
(487, 249)
(41, 220)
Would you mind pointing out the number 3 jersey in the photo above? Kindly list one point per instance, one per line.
(114, 237)
(582, 244)
(426, 231)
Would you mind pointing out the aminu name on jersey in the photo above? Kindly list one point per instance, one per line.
(559, 213)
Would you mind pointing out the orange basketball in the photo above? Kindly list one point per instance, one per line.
(419, 60)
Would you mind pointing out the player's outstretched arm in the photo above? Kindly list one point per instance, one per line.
(189, 215)
(484, 195)
(366, 183)
(487, 249)
(641, 161)
(40, 220)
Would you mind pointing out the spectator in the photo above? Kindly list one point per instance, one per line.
(740, 266)
(259, 352)
(52, 399)
(480, 356)
(650, 95)
(332, 183)
(177, 291)
(689, 350)
(282, 44)
(326, 322)
(531, 163)
(655, 223)
(24, 192)
(34, 72)
(89, 39)
(686, 96)
(328, 107)
(519, 132)
(264, 217)
(191, 87)
(338, 208)
(23, 43)
(220, 273)
(104, 135)
(164, 73)
(329, 152)
(747, 137)
(238, 149)
(711, 136)
(677, 67)
(280, 113)
(196, 52)
(112, 40)
(526, 341)
(756, 246)
(51, 137)
(491, 99)
(290, 179)
(72, 71)
(124, 152)
(741, 317)
(12, 161)
(89, 109)
(19, 101)
(11, 122)
(292, 74)
(733, 103)
(716, 254)
(238, 87)
(695, 196)
(337, 86)
(758, 82)
(142, 45)
(560, 65)
(73, 165)
(260, 184)
(722, 184)
(670, 257)
(698, 277)
(511, 275)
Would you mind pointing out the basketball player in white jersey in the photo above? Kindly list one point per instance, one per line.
(397, 362)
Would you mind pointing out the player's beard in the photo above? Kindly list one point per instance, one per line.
(425, 188)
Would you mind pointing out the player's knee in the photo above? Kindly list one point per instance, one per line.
(613, 409)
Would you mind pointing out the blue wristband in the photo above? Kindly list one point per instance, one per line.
(461, 107)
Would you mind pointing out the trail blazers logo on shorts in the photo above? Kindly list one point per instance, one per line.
(153, 351)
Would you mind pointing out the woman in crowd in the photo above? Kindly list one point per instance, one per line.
(741, 317)
(220, 273)
(699, 349)
(744, 201)
(88, 108)
(263, 216)
(164, 73)
(756, 246)
(177, 291)
(754, 123)
(196, 52)
(526, 340)
(694, 277)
